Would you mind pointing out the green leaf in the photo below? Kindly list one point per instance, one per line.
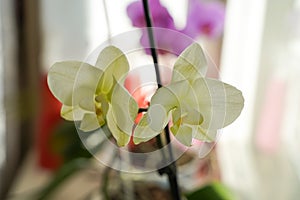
(190, 65)
(214, 191)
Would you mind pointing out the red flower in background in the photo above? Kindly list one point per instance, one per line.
(49, 120)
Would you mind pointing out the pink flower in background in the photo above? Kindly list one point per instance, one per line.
(161, 18)
(205, 18)
(166, 41)
(160, 15)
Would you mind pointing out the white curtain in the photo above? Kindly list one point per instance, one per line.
(258, 154)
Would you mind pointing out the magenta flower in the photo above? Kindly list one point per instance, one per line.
(205, 18)
(166, 41)
(161, 18)
(160, 15)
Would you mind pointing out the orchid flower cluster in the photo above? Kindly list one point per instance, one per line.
(204, 18)
(192, 105)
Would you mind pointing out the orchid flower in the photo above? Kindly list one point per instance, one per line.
(160, 15)
(203, 18)
(132, 83)
(198, 106)
(94, 95)
(161, 19)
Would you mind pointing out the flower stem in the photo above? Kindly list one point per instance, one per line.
(170, 169)
(151, 41)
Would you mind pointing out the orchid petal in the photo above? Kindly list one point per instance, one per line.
(219, 103)
(121, 137)
(61, 77)
(101, 103)
(143, 132)
(124, 108)
(71, 113)
(190, 65)
(115, 65)
(192, 116)
(87, 103)
(177, 97)
(86, 83)
(205, 135)
(184, 135)
(158, 117)
(89, 122)
(162, 102)
(64, 78)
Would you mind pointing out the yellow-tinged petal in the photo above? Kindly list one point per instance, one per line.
(142, 131)
(124, 108)
(157, 117)
(205, 135)
(71, 113)
(190, 65)
(69, 78)
(162, 102)
(178, 98)
(89, 122)
(171, 96)
(61, 77)
(115, 65)
(86, 84)
(191, 116)
(121, 137)
(87, 103)
(184, 135)
(219, 103)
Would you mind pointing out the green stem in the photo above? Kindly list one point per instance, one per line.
(170, 170)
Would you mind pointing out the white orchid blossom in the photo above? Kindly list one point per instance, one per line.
(197, 106)
(95, 95)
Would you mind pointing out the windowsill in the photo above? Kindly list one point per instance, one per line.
(31, 178)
